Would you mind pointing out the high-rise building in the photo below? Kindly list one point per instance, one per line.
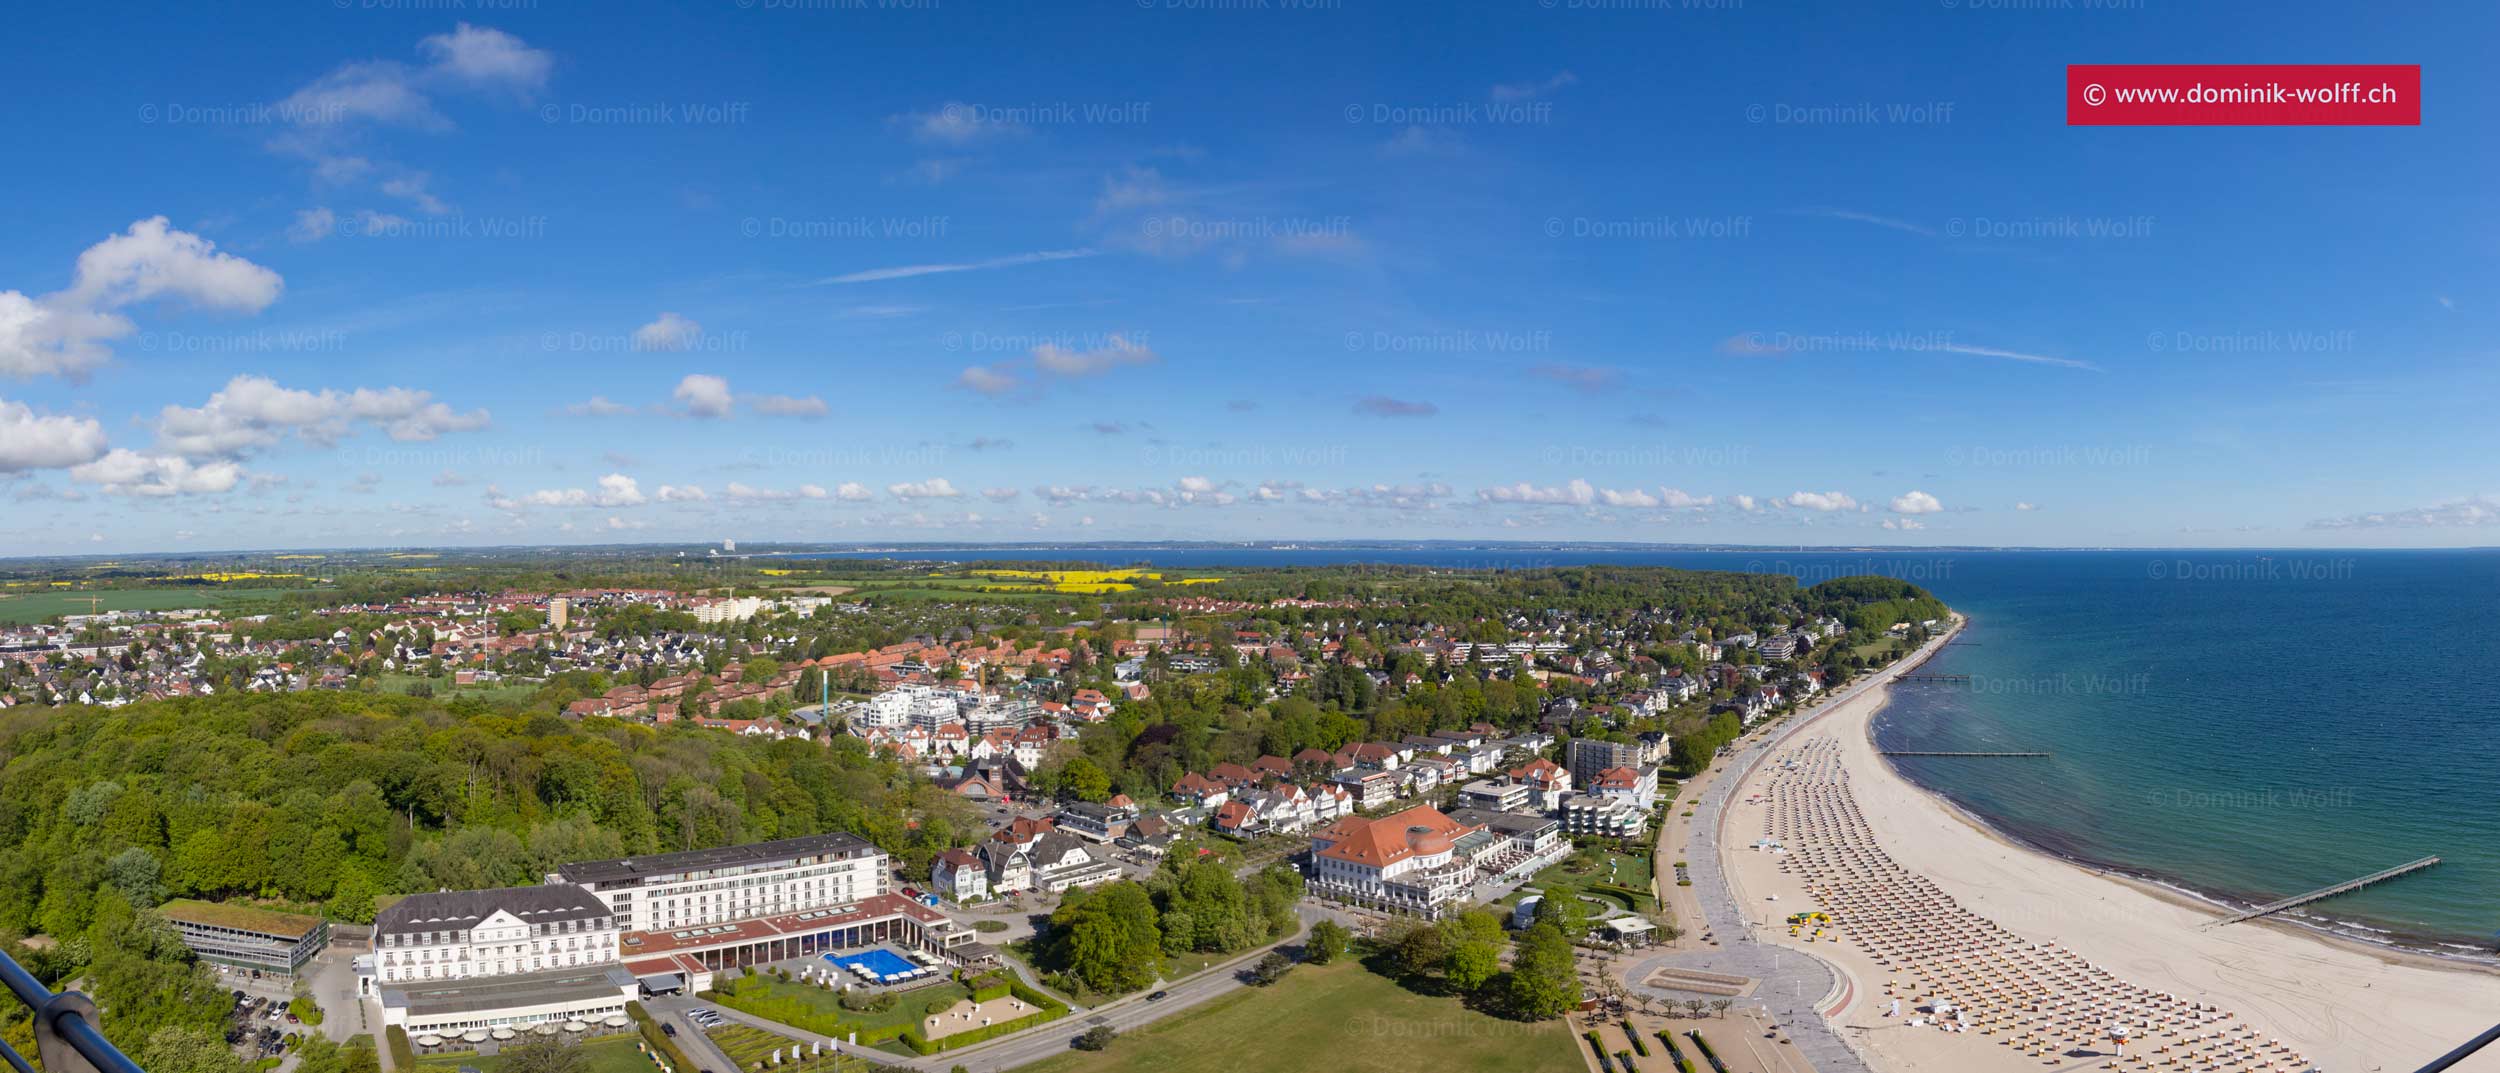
(559, 612)
(1589, 756)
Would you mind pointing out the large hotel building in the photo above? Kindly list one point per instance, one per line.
(596, 934)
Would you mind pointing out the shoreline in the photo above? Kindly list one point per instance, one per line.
(2348, 1004)
(2179, 891)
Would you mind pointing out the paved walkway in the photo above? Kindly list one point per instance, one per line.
(1794, 986)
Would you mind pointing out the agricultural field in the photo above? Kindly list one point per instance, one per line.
(22, 606)
(1337, 1016)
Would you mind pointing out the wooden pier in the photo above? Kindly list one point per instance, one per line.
(1922, 752)
(2344, 887)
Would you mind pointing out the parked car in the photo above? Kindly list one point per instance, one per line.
(668, 1030)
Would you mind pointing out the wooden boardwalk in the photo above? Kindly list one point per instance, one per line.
(2344, 887)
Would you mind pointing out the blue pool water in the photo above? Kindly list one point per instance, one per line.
(882, 962)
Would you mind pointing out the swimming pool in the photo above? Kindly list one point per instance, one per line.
(881, 961)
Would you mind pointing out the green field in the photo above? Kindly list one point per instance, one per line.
(497, 693)
(606, 1054)
(1343, 1018)
(20, 608)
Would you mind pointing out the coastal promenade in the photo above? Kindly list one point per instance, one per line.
(1797, 988)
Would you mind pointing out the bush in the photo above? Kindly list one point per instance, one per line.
(403, 1056)
(1095, 1038)
(1634, 1035)
(937, 1006)
(1682, 1064)
(1048, 1009)
(1711, 1055)
(1596, 1046)
(651, 1036)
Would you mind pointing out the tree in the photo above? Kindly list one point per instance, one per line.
(1719, 1005)
(1328, 939)
(1107, 937)
(1421, 949)
(1471, 964)
(1095, 1038)
(1544, 981)
(544, 1054)
(1271, 968)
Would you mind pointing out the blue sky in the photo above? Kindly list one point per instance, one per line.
(387, 272)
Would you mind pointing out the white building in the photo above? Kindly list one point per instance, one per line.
(454, 961)
(673, 891)
(1406, 862)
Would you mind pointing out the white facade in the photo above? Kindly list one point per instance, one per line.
(674, 891)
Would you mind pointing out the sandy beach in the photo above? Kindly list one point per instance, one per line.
(2337, 1006)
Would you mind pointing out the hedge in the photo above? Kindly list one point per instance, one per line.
(657, 1039)
(1051, 1010)
(1634, 1035)
(1706, 1052)
(1682, 1064)
(403, 1056)
(1596, 1046)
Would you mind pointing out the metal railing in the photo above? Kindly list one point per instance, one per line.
(67, 1038)
(2470, 1046)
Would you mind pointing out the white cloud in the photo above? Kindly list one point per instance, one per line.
(2470, 512)
(703, 395)
(614, 490)
(1916, 502)
(1748, 504)
(907, 271)
(684, 493)
(67, 333)
(1904, 523)
(1821, 501)
(989, 379)
(933, 488)
(1522, 91)
(811, 491)
(669, 332)
(957, 124)
(1577, 493)
(999, 495)
(1679, 498)
(485, 57)
(853, 492)
(598, 406)
(1061, 361)
(615, 522)
(313, 225)
(128, 472)
(2026, 506)
(254, 412)
(787, 406)
(29, 440)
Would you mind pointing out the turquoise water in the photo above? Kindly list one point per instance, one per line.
(2249, 725)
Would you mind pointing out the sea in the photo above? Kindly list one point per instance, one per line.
(2239, 725)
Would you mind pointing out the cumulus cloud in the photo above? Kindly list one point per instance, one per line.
(787, 405)
(1384, 406)
(683, 493)
(482, 56)
(69, 332)
(1116, 352)
(1904, 523)
(131, 473)
(1577, 493)
(1745, 503)
(812, 491)
(2026, 506)
(933, 488)
(752, 494)
(613, 490)
(999, 495)
(669, 332)
(31, 440)
(255, 412)
(703, 395)
(598, 406)
(853, 492)
(1825, 502)
(1916, 502)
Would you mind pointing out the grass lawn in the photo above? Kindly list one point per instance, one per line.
(749, 1046)
(760, 995)
(1341, 1017)
(607, 1054)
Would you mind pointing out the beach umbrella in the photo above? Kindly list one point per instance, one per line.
(576, 1026)
(429, 1041)
(505, 1033)
(617, 1020)
(474, 1035)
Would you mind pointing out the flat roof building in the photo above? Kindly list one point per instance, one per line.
(244, 937)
